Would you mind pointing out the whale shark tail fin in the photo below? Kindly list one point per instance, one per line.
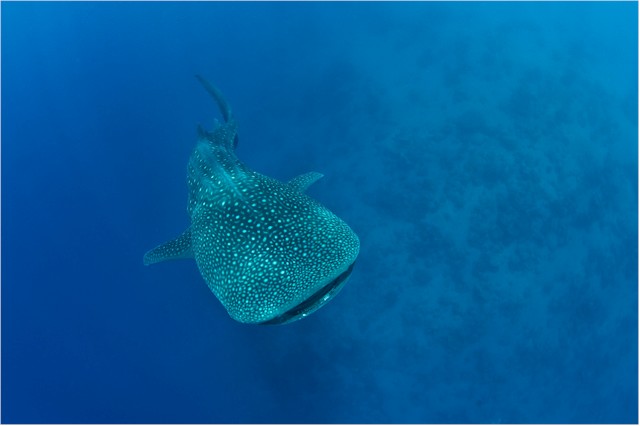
(222, 103)
(217, 96)
(178, 248)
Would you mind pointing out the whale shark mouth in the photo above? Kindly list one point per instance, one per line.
(312, 303)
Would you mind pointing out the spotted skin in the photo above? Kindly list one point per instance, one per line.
(269, 253)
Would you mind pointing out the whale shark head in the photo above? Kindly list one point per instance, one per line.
(268, 252)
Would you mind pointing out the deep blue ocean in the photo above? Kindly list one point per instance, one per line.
(486, 155)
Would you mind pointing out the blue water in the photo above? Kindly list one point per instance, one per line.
(486, 155)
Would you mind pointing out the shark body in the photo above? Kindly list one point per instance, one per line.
(269, 253)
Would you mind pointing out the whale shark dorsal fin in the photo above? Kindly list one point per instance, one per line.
(178, 248)
(202, 133)
(304, 181)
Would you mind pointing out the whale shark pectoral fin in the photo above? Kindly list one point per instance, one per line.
(178, 248)
(304, 181)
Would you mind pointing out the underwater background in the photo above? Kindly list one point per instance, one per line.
(486, 155)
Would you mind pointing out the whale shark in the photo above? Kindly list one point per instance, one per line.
(269, 253)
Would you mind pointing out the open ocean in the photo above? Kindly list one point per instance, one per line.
(486, 155)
